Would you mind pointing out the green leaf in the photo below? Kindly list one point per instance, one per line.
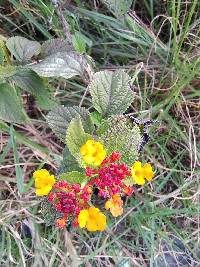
(22, 48)
(7, 71)
(29, 81)
(18, 170)
(59, 118)
(128, 181)
(96, 118)
(61, 64)
(1, 56)
(69, 163)
(119, 134)
(49, 212)
(54, 46)
(76, 137)
(111, 92)
(74, 177)
(78, 43)
(11, 109)
(118, 8)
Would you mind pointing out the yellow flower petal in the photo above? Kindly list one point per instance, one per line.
(139, 180)
(101, 222)
(43, 191)
(82, 218)
(148, 172)
(137, 165)
(108, 204)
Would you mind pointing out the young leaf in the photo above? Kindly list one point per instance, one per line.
(11, 109)
(60, 117)
(61, 64)
(29, 81)
(73, 177)
(78, 43)
(22, 48)
(54, 46)
(76, 137)
(111, 92)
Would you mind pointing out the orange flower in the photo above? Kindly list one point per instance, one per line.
(114, 204)
(61, 222)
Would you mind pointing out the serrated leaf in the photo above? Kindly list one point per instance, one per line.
(78, 43)
(29, 81)
(54, 46)
(74, 177)
(118, 8)
(119, 134)
(11, 109)
(61, 64)
(76, 137)
(111, 92)
(22, 48)
(59, 118)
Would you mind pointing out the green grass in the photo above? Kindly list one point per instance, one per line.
(167, 90)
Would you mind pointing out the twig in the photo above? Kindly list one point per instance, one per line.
(58, 8)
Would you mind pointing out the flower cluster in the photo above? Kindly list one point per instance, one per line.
(68, 200)
(109, 176)
(104, 176)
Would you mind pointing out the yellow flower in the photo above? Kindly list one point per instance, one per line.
(93, 153)
(92, 219)
(140, 173)
(43, 182)
(115, 204)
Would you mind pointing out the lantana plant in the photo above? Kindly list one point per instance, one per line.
(101, 158)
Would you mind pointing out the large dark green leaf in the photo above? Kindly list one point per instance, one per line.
(29, 81)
